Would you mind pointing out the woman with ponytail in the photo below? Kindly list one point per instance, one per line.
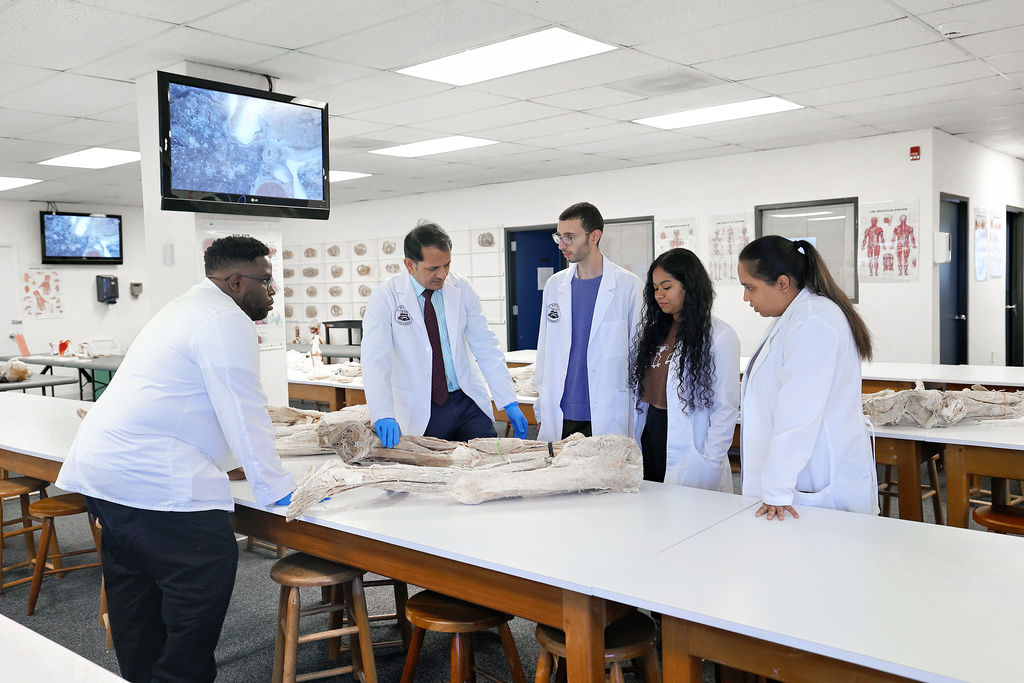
(684, 372)
(804, 439)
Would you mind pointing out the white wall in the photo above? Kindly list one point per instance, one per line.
(873, 169)
(992, 181)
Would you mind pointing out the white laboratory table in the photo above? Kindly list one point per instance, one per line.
(521, 357)
(86, 367)
(27, 656)
(326, 391)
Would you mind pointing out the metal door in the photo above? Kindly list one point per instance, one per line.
(533, 258)
(953, 283)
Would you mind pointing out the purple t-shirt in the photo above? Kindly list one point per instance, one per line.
(576, 394)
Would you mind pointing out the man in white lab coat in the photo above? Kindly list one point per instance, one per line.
(419, 330)
(151, 459)
(588, 316)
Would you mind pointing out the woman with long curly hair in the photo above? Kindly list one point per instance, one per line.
(684, 374)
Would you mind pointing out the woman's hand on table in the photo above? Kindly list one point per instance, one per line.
(776, 511)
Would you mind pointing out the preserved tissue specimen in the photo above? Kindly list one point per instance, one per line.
(335, 290)
(311, 291)
(388, 247)
(363, 269)
(311, 272)
(337, 271)
(333, 250)
(359, 249)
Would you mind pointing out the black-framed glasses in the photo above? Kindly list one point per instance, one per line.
(563, 239)
(267, 282)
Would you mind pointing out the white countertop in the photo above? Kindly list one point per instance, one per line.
(991, 375)
(41, 426)
(992, 434)
(521, 356)
(297, 377)
(27, 656)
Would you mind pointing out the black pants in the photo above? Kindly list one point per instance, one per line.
(573, 426)
(459, 419)
(653, 443)
(169, 577)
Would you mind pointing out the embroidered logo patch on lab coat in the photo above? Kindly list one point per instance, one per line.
(402, 316)
(554, 315)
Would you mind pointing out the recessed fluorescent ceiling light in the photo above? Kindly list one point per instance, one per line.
(722, 112)
(11, 183)
(427, 147)
(830, 218)
(96, 157)
(337, 176)
(532, 51)
(801, 215)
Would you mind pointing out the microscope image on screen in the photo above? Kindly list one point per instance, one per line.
(82, 236)
(232, 144)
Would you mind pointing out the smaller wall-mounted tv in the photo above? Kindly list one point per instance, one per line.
(229, 149)
(80, 238)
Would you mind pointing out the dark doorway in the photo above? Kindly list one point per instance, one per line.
(953, 282)
(532, 258)
(1014, 286)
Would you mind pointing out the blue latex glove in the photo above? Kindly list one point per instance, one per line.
(287, 500)
(388, 431)
(518, 420)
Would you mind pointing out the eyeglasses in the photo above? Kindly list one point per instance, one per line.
(267, 282)
(563, 239)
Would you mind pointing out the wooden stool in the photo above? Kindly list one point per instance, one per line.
(299, 570)
(279, 550)
(401, 599)
(430, 611)
(630, 637)
(22, 487)
(1003, 519)
(49, 509)
(104, 616)
(930, 490)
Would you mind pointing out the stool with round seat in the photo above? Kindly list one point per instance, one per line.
(634, 636)
(430, 611)
(299, 570)
(1004, 519)
(49, 509)
(22, 487)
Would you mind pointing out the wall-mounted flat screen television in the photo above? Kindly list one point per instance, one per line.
(76, 238)
(229, 149)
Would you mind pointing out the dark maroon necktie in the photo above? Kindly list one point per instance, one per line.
(438, 380)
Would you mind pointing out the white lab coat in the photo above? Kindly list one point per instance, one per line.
(616, 311)
(396, 355)
(804, 439)
(697, 451)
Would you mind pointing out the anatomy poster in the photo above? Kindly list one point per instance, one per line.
(980, 244)
(996, 247)
(674, 234)
(270, 331)
(727, 235)
(41, 296)
(888, 250)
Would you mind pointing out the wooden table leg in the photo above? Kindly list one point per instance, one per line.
(908, 468)
(957, 487)
(676, 661)
(583, 623)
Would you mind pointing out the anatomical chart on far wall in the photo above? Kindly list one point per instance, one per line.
(996, 247)
(674, 234)
(727, 235)
(41, 296)
(888, 241)
(980, 237)
(270, 331)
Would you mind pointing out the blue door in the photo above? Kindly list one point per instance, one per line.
(534, 256)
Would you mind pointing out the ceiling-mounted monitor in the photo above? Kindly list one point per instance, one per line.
(80, 238)
(229, 149)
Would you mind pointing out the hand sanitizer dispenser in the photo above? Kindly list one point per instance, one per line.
(106, 289)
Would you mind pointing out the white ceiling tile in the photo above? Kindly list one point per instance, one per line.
(15, 76)
(177, 12)
(583, 135)
(626, 148)
(922, 6)
(559, 11)
(864, 68)
(374, 91)
(86, 132)
(978, 17)
(882, 115)
(588, 98)
(296, 72)
(32, 152)
(529, 129)
(176, 45)
(894, 85)
(128, 113)
(667, 104)
(21, 169)
(487, 155)
(601, 69)
(993, 42)
(15, 123)
(130, 144)
(685, 155)
(784, 27)
(60, 34)
(778, 130)
(125, 174)
(446, 103)
(283, 23)
(506, 114)
(814, 138)
(819, 51)
(976, 88)
(340, 127)
(1008, 63)
(71, 95)
(430, 33)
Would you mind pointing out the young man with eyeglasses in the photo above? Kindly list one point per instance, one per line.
(152, 456)
(588, 315)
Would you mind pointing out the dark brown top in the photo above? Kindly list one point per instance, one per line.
(656, 375)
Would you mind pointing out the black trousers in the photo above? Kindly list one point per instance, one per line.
(573, 426)
(459, 419)
(169, 577)
(654, 442)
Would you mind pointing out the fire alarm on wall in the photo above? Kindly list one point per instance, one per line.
(915, 153)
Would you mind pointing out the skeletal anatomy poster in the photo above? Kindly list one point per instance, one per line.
(888, 242)
(673, 234)
(727, 235)
(41, 296)
(996, 247)
(980, 244)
